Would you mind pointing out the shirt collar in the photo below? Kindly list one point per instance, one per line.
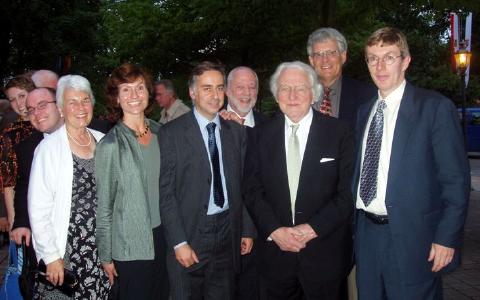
(394, 98)
(306, 120)
(249, 120)
(203, 122)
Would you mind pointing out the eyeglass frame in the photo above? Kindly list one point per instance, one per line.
(326, 54)
(391, 58)
(41, 106)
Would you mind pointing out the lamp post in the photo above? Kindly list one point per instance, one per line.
(462, 60)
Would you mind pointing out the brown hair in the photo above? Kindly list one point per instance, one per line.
(127, 73)
(389, 36)
(203, 67)
(21, 82)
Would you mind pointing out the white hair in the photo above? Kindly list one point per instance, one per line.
(75, 82)
(312, 76)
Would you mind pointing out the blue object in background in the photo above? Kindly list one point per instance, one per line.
(473, 128)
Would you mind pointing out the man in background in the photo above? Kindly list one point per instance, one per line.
(166, 98)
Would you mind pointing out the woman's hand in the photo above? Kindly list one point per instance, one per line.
(55, 272)
(111, 271)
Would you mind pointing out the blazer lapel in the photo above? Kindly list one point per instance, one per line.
(228, 150)
(194, 138)
(403, 129)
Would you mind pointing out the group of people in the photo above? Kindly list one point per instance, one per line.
(350, 191)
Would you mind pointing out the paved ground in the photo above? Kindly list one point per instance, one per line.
(462, 284)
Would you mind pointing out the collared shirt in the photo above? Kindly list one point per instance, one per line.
(302, 132)
(202, 123)
(249, 120)
(334, 96)
(177, 109)
(390, 113)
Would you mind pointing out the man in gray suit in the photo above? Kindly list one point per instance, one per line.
(200, 194)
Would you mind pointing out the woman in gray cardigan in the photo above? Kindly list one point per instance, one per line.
(130, 238)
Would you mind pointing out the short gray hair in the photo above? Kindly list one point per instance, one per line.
(326, 33)
(168, 84)
(75, 82)
(312, 76)
(233, 71)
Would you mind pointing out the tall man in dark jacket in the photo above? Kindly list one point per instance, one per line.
(200, 195)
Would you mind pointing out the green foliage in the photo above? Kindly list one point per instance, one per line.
(169, 36)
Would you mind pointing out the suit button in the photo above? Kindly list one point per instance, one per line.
(209, 181)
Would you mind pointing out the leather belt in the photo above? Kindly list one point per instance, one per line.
(377, 219)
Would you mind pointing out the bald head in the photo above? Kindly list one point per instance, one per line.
(242, 90)
(45, 78)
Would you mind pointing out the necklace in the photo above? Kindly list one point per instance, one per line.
(147, 128)
(77, 142)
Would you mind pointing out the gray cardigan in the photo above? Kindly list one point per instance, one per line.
(124, 230)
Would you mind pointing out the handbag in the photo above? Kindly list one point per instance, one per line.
(10, 289)
(27, 277)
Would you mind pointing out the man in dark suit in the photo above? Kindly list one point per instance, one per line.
(200, 195)
(411, 181)
(327, 53)
(45, 117)
(297, 190)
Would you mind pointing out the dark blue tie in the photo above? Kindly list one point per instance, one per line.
(368, 179)
(218, 197)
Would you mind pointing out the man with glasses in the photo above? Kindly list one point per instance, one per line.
(327, 53)
(411, 183)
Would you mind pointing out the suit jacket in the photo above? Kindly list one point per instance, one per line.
(24, 152)
(354, 94)
(260, 118)
(186, 177)
(323, 198)
(428, 180)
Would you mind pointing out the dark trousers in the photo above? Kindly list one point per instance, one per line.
(144, 279)
(212, 277)
(378, 272)
(297, 288)
(246, 281)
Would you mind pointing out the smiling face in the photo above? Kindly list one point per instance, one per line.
(133, 97)
(242, 91)
(327, 67)
(387, 77)
(43, 113)
(17, 98)
(294, 94)
(208, 93)
(77, 108)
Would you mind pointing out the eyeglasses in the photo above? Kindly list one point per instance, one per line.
(325, 54)
(41, 106)
(298, 90)
(388, 59)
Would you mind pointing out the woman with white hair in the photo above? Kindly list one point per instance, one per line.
(62, 199)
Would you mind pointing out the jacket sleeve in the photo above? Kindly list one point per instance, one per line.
(169, 210)
(106, 174)
(41, 201)
(453, 174)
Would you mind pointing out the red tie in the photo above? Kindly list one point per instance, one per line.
(326, 106)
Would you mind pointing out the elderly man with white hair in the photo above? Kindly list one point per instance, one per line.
(297, 190)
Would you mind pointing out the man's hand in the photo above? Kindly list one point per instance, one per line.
(287, 239)
(441, 256)
(186, 256)
(4, 224)
(109, 268)
(18, 233)
(55, 272)
(230, 116)
(307, 231)
(246, 245)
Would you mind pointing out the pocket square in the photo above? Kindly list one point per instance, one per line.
(326, 159)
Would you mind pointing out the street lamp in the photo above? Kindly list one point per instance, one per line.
(462, 60)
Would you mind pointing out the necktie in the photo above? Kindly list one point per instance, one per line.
(293, 166)
(368, 178)
(326, 106)
(218, 197)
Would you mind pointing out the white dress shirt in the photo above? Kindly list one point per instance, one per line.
(390, 113)
(302, 132)
(249, 120)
